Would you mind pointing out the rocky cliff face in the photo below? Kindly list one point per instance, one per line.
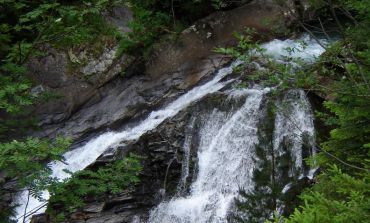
(169, 165)
(95, 96)
(101, 99)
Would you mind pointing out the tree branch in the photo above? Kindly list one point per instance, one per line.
(25, 208)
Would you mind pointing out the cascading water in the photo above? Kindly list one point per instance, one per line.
(225, 157)
(225, 164)
(305, 48)
(294, 123)
(186, 160)
(81, 157)
(225, 150)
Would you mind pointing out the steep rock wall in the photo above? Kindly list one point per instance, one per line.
(104, 99)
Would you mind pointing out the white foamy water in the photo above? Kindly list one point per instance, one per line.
(225, 164)
(186, 160)
(294, 118)
(305, 48)
(225, 156)
(225, 150)
(227, 147)
(83, 156)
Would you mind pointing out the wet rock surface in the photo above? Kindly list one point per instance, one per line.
(107, 100)
(164, 157)
(124, 99)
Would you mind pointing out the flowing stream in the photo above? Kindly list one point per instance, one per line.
(225, 157)
(83, 156)
(227, 148)
(224, 154)
(225, 163)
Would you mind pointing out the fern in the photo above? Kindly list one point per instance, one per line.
(112, 178)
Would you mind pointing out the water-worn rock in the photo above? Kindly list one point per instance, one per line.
(107, 100)
(94, 207)
(119, 101)
(126, 98)
(164, 157)
(8, 188)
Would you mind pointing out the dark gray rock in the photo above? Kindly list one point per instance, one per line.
(71, 91)
(39, 218)
(195, 44)
(94, 207)
(119, 101)
(119, 17)
(102, 99)
(73, 78)
(162, 165)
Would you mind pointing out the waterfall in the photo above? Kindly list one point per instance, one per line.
(227, 147)
(294, 122)
(225, 153)
(186, 160)
(225, 164)
(306, 48)
(225, 156)
(83, 156)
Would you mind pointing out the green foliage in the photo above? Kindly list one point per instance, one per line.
(54, 21)
(247, 48)
(24, 26)
(219, 4)
(342, 73)
(257, 204)
(154, 18)
(350, 108)
(341, 193)
(24, 160)
(113, 178)
(274, 170)
(282, 75)
(145, 29)
(13, 89)
(337, 197)
(350, 139)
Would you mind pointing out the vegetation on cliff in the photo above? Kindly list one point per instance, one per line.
(341, 192)
(110, 179)
(27, 26)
